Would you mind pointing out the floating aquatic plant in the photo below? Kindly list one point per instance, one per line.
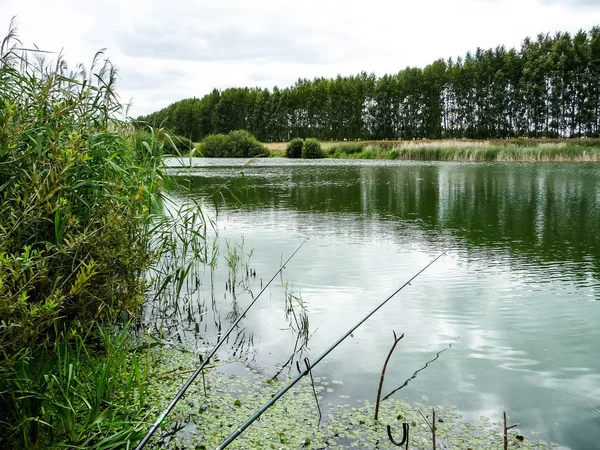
(205, 421)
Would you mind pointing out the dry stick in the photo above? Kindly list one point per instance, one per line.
(431, 425)
(506, 431)
(396, 340)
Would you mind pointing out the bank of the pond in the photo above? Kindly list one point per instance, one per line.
(532, 150)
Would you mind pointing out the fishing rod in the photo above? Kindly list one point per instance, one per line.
(181, 392)
(305, 372)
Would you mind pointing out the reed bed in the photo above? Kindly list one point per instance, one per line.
(472, 151)
(83, 220)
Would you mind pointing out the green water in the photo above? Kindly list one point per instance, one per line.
(515, 302)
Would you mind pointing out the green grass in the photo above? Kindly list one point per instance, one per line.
(476, 151)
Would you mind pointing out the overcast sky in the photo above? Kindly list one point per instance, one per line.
(167, 50)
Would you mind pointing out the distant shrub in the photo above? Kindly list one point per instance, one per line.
(294, 148)
(236, 144)
(216, 146)
(245, 145)
(311, 149)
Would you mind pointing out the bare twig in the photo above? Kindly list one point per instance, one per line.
(431, 425)
(506, 431)
(396, 340)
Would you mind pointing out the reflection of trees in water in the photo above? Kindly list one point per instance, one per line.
(541, 213)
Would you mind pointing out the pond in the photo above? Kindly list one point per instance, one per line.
(507, 320)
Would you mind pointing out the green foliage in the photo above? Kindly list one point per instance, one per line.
(244, 145)
(294, 148)
(236, 144)
(516, 150)
(147, 144)
(73, 206)
(181, 145)
(547, 88)
(155, 143)
(311, 149)
(76, 396)
(216, 146)
(77, 189)
(343, 150)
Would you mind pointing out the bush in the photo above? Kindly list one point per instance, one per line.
(71, 240)
(216, 146)
(76, 188)
(311, 149)
(294, 148)
(245, 145)
(237, 144)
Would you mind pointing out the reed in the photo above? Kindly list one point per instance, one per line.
(473, 151)
(84, 227)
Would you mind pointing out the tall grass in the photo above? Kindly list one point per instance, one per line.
(81, 225)
(479, 151)
(75, 395)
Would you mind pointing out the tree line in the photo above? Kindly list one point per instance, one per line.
(550, 87)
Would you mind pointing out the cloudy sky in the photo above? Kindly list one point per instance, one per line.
(167, 50)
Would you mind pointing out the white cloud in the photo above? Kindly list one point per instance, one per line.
(168, 50)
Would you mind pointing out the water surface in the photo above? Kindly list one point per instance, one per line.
(515, 302)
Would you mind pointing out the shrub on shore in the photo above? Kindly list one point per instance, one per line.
(76, 188)
(236, 144)
(311, 149)
(294, 148)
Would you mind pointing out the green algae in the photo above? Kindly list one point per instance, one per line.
(201, 421)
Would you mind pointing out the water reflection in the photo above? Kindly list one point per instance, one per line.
(518, 287)
(546, 213)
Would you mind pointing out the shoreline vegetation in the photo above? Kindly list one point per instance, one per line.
(526, 150)
(465, 150)
(548, 87)
(84, 225)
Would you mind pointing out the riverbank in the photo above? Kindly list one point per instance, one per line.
(526, 150)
